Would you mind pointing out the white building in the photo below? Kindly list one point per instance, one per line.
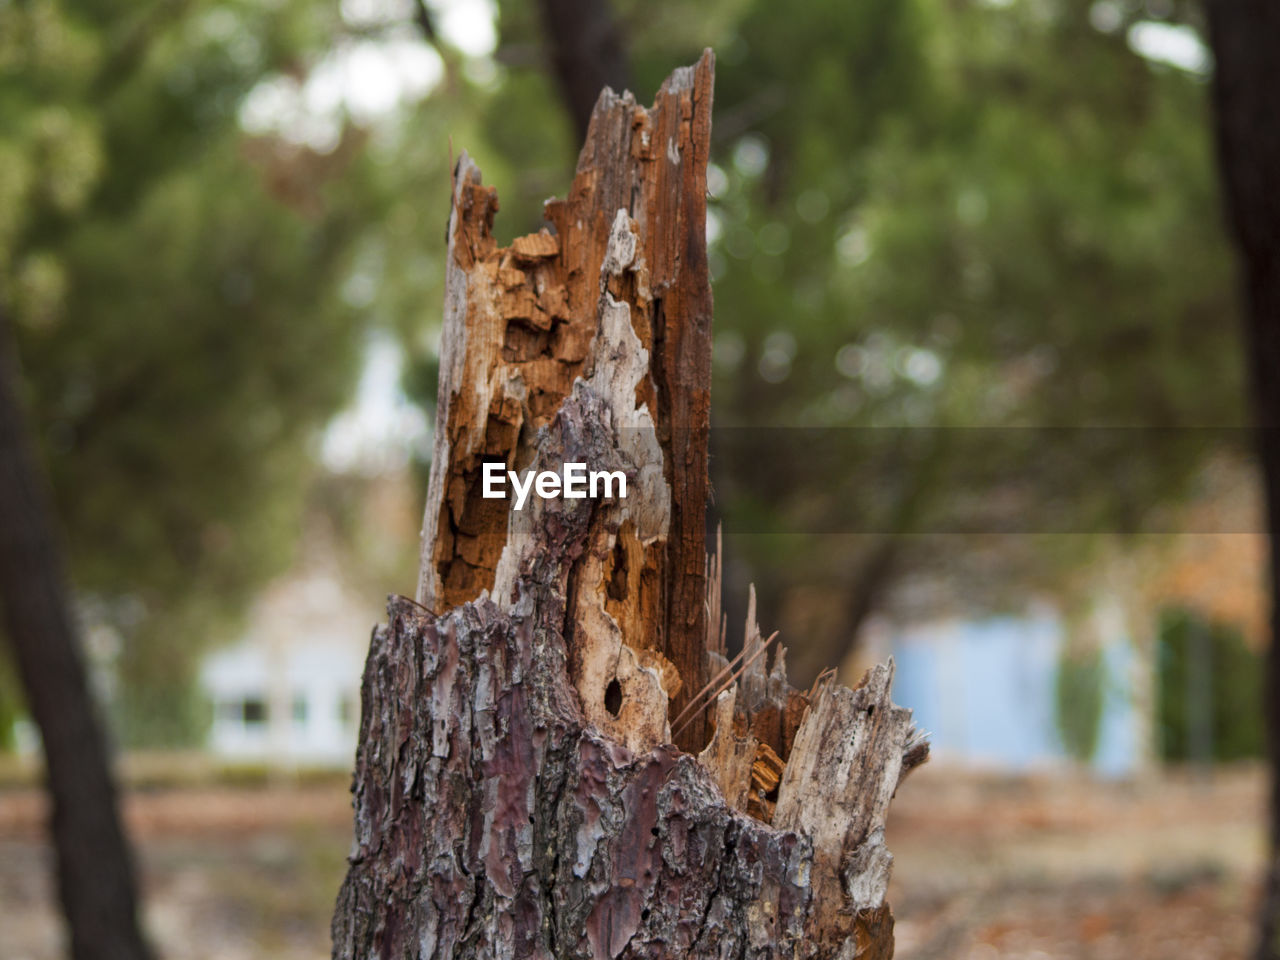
(288, 693)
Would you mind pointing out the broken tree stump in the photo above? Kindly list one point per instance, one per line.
(518, 789)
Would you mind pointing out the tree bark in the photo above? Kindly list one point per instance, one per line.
(95, 872)
(1245, 37)
(517, 789)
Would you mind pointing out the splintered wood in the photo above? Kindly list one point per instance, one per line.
(518, 325)
(558, 756)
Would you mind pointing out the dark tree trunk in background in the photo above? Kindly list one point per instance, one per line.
(587, 54)
(524, 784)
(95, 873)
(1245, 36)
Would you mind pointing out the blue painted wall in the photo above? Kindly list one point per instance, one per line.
(984, 689)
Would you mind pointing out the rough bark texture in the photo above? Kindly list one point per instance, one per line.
(517, 789)
(95, 872)
(1245, 36)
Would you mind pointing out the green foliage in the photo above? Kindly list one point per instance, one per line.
(1079, 692)
(1234, 687)
(928, 216)
(932, 216)
(10, 706)
(995, 234)
(176, 294)
(925, 213)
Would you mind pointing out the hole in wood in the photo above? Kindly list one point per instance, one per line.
(613, 697)
(617, 587)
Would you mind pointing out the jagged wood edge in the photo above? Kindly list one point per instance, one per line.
(497, 671)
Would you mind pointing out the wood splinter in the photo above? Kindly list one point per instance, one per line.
(519, 788)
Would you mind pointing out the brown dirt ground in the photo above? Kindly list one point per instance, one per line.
(1051, 868)
(988, 868)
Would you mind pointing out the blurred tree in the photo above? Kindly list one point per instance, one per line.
(929, 216)
(925, 215)
(1079, 689)
(95, 873)
(587, 53)
(1245, 35)
(1234, 689)
(188, 300)
(195, 231)
(11, 707)
(1007, 230)
(178, 337)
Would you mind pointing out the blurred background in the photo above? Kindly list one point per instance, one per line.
(978, 404)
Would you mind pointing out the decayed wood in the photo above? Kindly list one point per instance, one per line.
(517, 325)
(517, 791)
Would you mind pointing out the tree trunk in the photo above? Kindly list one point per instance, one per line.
(1245, 36)
(517, 789)
(95, 873)
(587, 53)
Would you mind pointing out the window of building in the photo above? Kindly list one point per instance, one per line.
(253, 711)
(300, 709)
